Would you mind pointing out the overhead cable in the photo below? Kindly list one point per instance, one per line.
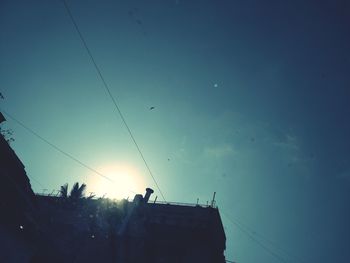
(267, 249)
(70, 156)
(110, 95)
(272, 243)
(35, 180)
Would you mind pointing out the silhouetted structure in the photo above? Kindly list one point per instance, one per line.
(44, 228)
(139, 231)
(164, 232)
(22, 237)
(16, 202)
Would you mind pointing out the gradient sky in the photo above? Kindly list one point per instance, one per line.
(251, 101)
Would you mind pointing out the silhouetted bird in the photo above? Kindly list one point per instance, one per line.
(152, 108)
(1, 96)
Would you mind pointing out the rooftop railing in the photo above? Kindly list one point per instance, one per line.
(181, 204)
(56, 194)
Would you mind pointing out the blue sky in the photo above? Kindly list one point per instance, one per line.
(251, 101)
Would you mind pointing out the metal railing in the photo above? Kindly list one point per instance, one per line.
(180, 204)
(55, 193)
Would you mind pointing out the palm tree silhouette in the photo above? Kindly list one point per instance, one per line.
(76, 192)
(64, 191)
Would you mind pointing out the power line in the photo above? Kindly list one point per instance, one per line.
(267, 249)
(68, 155)
(110, 94)
(267, 240)
(57, 148)
(35, 180)
(272, 243)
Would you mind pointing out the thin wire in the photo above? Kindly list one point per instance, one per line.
(57, 148)
(264, 238)
(110, 94)
(35, 180)
(255, 240)
(60, 150)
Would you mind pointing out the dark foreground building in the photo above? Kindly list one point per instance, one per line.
(37, 228)
(107, 231)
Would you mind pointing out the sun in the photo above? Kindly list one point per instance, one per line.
(127, 182)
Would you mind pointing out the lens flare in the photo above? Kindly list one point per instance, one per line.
(126, 182)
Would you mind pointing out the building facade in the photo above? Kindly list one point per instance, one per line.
(38, 228)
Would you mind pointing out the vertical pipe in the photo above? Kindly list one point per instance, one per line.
(213, 201)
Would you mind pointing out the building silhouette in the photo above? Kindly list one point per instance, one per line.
(46, 228)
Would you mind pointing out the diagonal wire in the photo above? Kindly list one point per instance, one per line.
(57, 148)
(267, 249)
(110, 95)
(35, 180)
(272, 243)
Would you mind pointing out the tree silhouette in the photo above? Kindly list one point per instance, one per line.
(76, 192)
(6, 133)
(64, 191)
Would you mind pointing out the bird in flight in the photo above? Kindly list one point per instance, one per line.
(152, 108)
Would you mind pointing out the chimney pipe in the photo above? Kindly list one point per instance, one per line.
(213, 200)
(149, 191)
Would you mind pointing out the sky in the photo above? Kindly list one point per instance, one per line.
(251, 101)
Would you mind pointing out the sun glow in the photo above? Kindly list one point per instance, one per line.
(126, 182)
